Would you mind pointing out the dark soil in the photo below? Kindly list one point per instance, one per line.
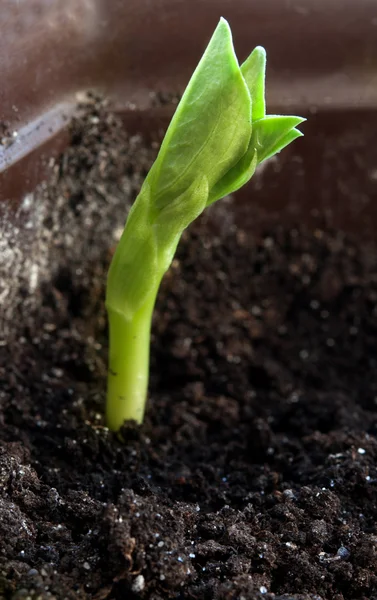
(254, 476)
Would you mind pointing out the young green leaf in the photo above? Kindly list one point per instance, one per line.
(272, 133)
(216, 139)
(213, 118)
(254, 73)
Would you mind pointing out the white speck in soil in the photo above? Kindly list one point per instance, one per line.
(138, 584)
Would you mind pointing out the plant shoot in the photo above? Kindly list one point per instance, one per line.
(218, 135)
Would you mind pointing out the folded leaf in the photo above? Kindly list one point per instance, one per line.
(269, 134)
(236, 177)
(175, 217)
(211, 128)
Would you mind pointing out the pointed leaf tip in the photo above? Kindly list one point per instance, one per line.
(260, 53)
(223, 24)
(254, 73)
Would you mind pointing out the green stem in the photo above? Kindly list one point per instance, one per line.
(128, 365)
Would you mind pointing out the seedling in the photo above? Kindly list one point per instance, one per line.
(218, 135)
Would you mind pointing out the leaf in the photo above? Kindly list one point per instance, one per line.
(148, 245)
(175, 217)
(254, 73)
(269, 136)
(283, 143)
(211, 128)
(134, 268)
(272, 133)
(236, 177)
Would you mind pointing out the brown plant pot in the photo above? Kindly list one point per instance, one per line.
(254, 475)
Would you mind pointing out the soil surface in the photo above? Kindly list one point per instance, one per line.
(254, 476)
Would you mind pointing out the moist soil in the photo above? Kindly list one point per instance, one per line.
(254, 475)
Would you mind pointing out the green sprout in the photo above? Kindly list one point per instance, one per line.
(218, 135)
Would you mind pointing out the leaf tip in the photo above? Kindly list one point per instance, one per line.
(223, 24)
(260, 52)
